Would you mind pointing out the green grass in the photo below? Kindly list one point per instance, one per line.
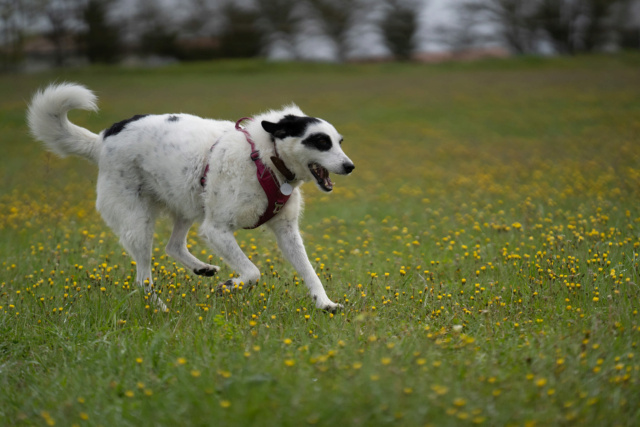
(485, 249)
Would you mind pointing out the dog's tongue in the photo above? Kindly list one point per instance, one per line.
(327, 182)
(322, 175)
(325, 176)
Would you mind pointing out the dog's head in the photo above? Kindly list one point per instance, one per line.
(310, 147)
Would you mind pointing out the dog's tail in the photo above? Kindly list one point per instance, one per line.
(48, 122)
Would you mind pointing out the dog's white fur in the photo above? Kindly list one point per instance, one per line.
(154, 164)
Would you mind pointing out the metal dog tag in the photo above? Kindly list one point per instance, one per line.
(286, 189)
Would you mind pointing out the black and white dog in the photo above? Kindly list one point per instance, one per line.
(224, 175)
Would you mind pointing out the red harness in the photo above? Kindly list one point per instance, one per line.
(275, 199)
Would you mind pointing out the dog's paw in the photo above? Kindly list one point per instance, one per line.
(210, 270)
(327, 305)
(226, 287)
(160, 306)
(333, 308)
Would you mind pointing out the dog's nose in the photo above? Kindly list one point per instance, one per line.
(348, 167)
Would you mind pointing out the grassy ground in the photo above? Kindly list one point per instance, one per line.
(485, 249)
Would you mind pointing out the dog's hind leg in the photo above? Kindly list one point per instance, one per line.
(138, 241)
(177, 248)
(132, 218)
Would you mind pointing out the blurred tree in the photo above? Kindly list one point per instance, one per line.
(598, 28)
(463, 34)
(278, 22)
(573, 26)
(241, 37)
(399, 26)
(100, 40)
(515, 20)
(569, 26)
(628, 20)
(63, 19)
(200, 29)
(198, 15)
(559, 20)
(335, 18)
(158, 35)
(13, 18)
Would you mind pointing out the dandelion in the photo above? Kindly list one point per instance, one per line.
(224, 374)
(459, 402)
(225, 404)
(440, 390)
(47, 418)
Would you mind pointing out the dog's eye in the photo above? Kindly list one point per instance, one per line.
(341, 139)
(319, 141)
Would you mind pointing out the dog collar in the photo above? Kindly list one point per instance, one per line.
(277, 195)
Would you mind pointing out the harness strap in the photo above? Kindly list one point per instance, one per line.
(268, 181)
(203, 179)
(275, 199)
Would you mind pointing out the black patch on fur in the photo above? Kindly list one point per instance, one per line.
(319, 141)
(173, 118)
(289, 125)
(116, 128)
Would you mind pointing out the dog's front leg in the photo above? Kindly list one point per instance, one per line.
(290, 243)
(224, 244)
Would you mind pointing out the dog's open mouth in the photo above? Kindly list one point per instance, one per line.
(322, 176)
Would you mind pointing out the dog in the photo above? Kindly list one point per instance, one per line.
(222, 174)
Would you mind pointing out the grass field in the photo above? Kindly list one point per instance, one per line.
(485, 250)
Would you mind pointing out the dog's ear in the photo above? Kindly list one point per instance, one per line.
(289, 125)
(274, 129)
